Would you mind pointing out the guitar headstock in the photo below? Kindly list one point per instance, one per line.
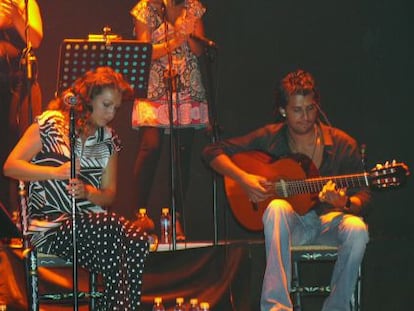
(389, 175)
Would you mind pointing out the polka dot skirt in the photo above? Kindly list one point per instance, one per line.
(113, 247)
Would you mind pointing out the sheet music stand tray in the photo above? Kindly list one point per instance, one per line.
(131, 58)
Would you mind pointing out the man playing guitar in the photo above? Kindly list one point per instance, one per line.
(332, 215)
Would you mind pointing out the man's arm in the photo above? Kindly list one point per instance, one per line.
(256, 187)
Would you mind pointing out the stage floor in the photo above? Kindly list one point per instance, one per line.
(228, 273)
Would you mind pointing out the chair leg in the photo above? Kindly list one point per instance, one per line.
(32, 281)
(297, 304)
(93, 289)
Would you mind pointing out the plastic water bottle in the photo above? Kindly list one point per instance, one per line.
(194, 305)
(166, 235)
(158, 306)
(179, 304)
(204, 306)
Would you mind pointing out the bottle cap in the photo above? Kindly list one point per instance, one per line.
(204, 305)
(193, 301)
(157, 299)
(165, 210)
(142, 211)
(179, 300)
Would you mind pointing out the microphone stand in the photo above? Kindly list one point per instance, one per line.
(28, 59)
(363, 149)
(27, 62)
(171, 76)
(72, 137)
(215, 129)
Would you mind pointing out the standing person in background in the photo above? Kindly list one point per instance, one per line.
(16, 109)
(168, 25)
(333, 220)
(106, 243)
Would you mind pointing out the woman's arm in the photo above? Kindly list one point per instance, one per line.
(143, 33)
(196, 47)
(105, 195)
(18, 164)
(14, 14)
(183, 28)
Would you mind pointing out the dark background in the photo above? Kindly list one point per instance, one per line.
(360, 52)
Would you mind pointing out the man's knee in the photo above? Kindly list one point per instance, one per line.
(356, 230)
(276, 209)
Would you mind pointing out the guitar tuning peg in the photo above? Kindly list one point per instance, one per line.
(394, 162)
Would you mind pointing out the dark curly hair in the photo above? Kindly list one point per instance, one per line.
(87, 87)
(298, 82)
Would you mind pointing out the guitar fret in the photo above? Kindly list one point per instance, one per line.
(315, 185)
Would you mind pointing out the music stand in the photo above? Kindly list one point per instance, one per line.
(131, 58)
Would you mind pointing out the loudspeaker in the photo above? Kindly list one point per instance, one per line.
(7, 228)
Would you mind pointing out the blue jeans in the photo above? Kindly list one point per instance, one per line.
(283, 228)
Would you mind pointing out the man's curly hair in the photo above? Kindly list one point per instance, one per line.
(298, 82)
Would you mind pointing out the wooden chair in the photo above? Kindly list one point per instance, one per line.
(315, 254)
(34, 260)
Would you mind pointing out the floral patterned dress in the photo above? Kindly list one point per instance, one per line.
(189, 101)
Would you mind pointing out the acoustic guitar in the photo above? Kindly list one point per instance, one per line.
(296, 180)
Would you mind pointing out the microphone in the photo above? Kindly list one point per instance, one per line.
(69, 98)
(363, 150)
(204, 40)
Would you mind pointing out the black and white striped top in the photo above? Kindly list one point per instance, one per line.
(48, 201)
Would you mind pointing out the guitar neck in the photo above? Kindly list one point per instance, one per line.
(287, 188)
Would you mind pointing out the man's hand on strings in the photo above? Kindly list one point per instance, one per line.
(258, 188)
